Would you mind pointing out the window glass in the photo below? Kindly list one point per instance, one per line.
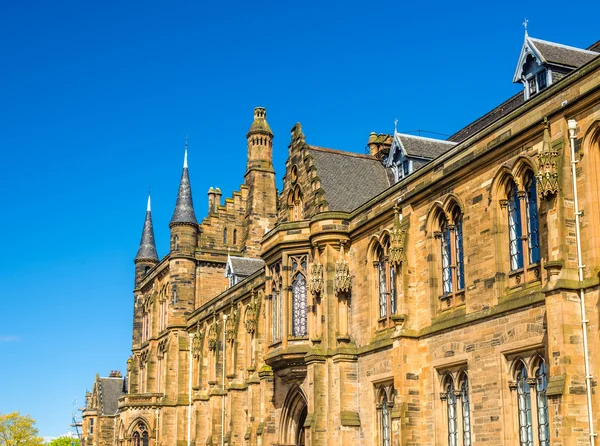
(524, 405)
(514, 228)
(541, 380)
(460, 263)
(382, 286)
(533, 232)
(541, 79)
(446, 259)
(466, 411)
(385, 422)
(299, 303)
(451, 406)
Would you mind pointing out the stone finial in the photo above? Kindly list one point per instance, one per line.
(547, 176)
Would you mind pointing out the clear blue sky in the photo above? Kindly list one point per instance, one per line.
(96, 99)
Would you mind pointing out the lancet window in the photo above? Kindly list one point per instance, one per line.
(532, 402)
(276, 303)
(384, 405)
(386, 279)
(455, 397)
(299, 298)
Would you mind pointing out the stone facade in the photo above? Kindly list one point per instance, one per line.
(419, 312)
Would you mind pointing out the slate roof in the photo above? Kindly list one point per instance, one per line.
(184, 208)
(244, 266)
(348, 179)
(503, 109)
(418, 146)
(111, 390)
(555, 53)
(147, 249)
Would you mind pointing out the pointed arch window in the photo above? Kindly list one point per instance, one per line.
(299, 298)
(295, 204)
(524, 406)
(446, 257)
(384, 405)
(382, 280)
(225, 236)
(515, 234)
(458, 248)
(541, 385)
(451, 417)
(235, 236)
(466, 410)
(533, 233)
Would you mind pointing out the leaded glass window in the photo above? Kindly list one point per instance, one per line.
(524, 406)
(385, 421)
(451, 412)
(514, 228)
(382, 286)
(533, 230)
(299, 303)
(541, 383)
(446, 259)
(276, 298)
(393, 296)
(466, 411)
(145, 439)
(136, 439)
(460, 262)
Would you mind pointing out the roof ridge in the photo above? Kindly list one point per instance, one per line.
(427, 139)
(342, 152)
(560, 45)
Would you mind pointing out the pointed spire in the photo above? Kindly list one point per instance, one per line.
(185, 154)
(184, 208)
(147, 249)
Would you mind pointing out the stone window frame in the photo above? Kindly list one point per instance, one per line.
(522, 169)
(390, 289)
(536, 401)
(384, 395)
(456, 373)
(446, 219)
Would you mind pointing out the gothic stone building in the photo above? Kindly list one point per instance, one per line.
(430, 292)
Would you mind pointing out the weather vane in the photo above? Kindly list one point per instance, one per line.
(525, 25)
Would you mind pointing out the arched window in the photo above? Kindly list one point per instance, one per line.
(533, 235)
(136, 439)
(276, 307)
(295, 204)
(524, 405)
(225, 236)
(451, 411)
(235, 236)
(382, 281)
(466, 410)
(458, 248)
(515, 231)
(384, 394)
(385, 421)
(541, 385)
(145, 439)
(446, 246)
(175, 242)
(299, 299)
(393, 292)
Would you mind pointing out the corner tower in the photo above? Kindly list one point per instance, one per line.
(146, 257)
(184, 240)
(261, 206)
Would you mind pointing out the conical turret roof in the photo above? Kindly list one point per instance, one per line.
(147, 249)
(184, 208)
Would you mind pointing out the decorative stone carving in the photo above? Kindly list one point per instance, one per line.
(547, 176)
(231, 325)
(343, 281)
(252, 310)
(197, 342)
(397, 240)
(213, 334)
(316, 275)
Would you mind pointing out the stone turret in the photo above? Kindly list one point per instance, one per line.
(184, 241)
(146, 257)
(261, 207)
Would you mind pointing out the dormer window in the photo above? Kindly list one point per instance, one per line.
(542, 80)
(532, 86)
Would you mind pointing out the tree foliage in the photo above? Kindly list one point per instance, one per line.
(18, 430)
(65, 441)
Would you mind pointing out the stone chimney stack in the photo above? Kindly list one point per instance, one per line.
(379, 144)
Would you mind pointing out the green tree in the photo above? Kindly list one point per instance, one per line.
(18, 430)
(65, 441)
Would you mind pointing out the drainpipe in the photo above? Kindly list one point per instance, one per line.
(223, 382)
(572, 124)
(189, 420)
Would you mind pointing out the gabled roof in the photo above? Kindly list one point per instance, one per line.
(551, 53)
(555, 53)
(418, 147)
(111, 390)
(348, 179)
(243, 266)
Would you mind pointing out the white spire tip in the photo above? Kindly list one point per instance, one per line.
(149, 207)
(185, 159)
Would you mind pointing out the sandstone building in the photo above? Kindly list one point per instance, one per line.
(426, 293)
